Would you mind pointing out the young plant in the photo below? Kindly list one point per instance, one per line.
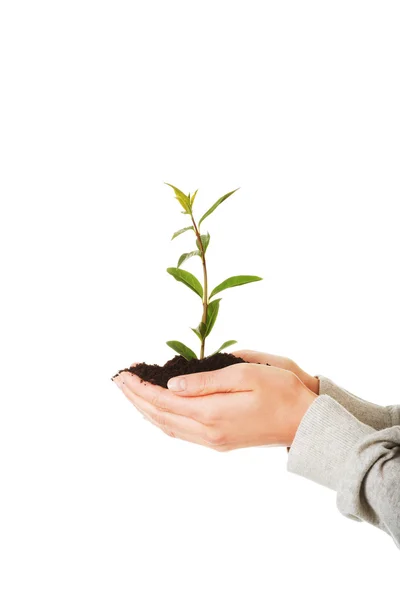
(210, 307)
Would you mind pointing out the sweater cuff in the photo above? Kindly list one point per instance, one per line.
(394, 412)
(325, 436)
(374, 415)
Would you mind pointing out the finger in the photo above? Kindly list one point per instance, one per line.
(160, 397)
(235, 378)
(193, 439)
(170, 421)
(196, 439)
(253, 356)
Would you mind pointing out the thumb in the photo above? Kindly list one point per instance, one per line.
(234, 378)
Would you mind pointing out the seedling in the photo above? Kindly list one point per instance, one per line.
(210, 303)
(186, 360)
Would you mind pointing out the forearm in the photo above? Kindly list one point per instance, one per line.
(335, 449)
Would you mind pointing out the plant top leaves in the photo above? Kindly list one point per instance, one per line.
(214, 206)
(183, 200)
(193, 197)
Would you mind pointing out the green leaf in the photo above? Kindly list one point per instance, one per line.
(188, 279)
(233, 282)
(181, 197)
(205, 240)
(188, 255)
(214, 206)
(203, 330)
(193, 197)
(224, 345)
(181, 231)
(212, 313)
(197, 333)
(182, 349)
(200, 330)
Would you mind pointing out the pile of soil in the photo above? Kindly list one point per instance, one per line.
(159, 375)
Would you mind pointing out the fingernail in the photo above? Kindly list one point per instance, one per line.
(118, 381)
(177, 384)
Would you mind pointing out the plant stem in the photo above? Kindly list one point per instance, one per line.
(205, 296)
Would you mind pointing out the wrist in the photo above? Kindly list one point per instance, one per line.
(303, 400)
(311, 382)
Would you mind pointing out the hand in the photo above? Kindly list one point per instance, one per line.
(239, 406)
(253, 356)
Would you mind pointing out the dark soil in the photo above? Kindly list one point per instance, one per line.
(159, 375)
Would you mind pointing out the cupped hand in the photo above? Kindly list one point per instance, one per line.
(253, 356)
(239, 406)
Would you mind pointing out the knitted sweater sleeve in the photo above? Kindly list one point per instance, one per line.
(374, 415)
(353, 447)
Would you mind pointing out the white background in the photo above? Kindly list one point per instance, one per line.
(101, 102)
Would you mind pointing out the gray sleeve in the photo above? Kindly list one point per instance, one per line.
(362, 465)
(374, 415)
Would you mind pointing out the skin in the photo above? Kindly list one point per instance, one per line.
(239, 406)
